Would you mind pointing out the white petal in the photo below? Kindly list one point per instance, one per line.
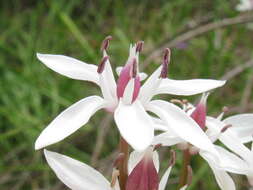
(224, 181)
(167, 139)
(108, 96)
(231, 162)
(110, 77)
(135, 125)
(230, 140)
(242, 126)
(163, 182)
(69, 121)
(76, 175)
(184, 187)
(181, 124)
(128, 92)
(70, 67)
(135, 157)
(187, 87)
(142, 75)
(148, 89)
(159, 124)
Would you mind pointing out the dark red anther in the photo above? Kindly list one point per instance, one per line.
(105, 43)
(139, 46)
(101, 66)
(165, 64)
(157, 146)
(225, 128)
(134, 68)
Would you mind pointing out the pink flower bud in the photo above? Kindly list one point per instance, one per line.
(144, 176)
(199, 114)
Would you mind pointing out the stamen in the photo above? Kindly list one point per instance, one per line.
(101, 66)
(225, 109)
(115, 175)
(166, 61)
(176, 101)
(139, 46)
(189, 176)
(105, 43)
(185, 101)
(225, 128)
(188, 109)
(157, 146)
(172, 158)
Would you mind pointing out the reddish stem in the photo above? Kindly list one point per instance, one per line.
(123, 165)
(184, 170)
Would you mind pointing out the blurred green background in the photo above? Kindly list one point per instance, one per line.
(31, 95)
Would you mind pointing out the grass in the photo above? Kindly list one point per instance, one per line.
(31, 95)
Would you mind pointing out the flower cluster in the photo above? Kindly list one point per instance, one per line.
(139, 119)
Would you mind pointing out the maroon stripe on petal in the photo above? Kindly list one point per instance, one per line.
(144, 176)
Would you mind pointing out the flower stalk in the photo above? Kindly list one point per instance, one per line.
(184, 170)
(123, 169)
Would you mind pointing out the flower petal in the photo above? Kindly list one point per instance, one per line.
(134, 124)
(76, 175)
(110, 77)
(231, 162)
(242, 126)
(149, 87)
(229, 139)
(167, 139)
(224, 181)
(187, 87)
(70, 67)
(69, 121)
(181, 124)
(135, 157)
(163, 182)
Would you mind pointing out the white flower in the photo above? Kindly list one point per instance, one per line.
(126, 99)
(245, 5)
(240, 131)
(228, 161)
(79, 176)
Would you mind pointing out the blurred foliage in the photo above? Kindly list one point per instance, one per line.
(32, 95)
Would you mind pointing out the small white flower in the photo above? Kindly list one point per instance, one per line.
(245, 5)
(229, 136)
(79, 176)
(127, 99)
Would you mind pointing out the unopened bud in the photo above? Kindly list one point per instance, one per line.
(101, 66)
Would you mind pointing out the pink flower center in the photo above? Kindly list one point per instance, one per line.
(127, 73)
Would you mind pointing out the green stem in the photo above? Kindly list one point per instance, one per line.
(123, 166)
(184, 170)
